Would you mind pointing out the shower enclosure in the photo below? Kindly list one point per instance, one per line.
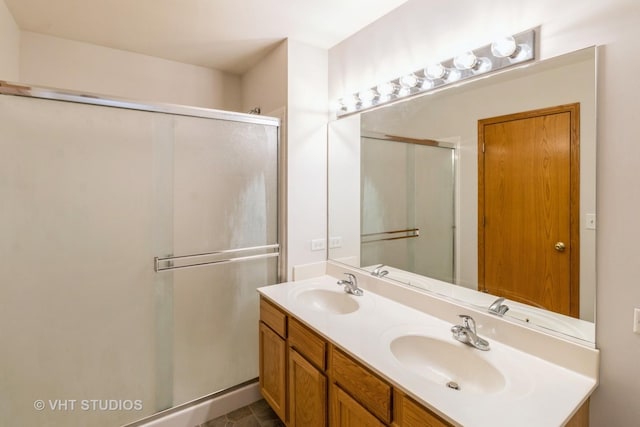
(408, 205)
(133, 238)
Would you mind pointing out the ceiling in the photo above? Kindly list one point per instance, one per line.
(229, 35)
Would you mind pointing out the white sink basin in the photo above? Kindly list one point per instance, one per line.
(448, 363)
(335, 302)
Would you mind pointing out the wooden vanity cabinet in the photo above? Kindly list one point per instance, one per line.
(309, 382)
(273, 357)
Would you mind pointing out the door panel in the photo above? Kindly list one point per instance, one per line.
(527, 202)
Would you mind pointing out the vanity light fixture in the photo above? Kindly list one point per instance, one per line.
(502, 53)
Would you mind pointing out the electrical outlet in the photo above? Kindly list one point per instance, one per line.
(318, 244)
(636, 320)
(335, 242)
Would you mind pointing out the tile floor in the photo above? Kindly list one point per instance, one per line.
(257, 414)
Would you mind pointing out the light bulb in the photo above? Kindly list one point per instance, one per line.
(453, 75)
(367, 97)
(435, 71)
(410, 80)
(465, 61)
(404, 91)
(386, 89)
(522, 53)
(482, 66)
(427, 84)
(503, 47)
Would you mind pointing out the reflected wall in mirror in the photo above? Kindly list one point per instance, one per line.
(381, 188)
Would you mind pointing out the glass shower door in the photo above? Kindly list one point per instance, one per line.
(223, 246)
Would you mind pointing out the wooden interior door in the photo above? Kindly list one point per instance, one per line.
(528, 208)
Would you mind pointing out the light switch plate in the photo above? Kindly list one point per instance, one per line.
(636, 320)
(590, 221)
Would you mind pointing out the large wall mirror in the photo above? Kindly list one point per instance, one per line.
(415, 198)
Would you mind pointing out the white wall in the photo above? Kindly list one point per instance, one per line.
(56, 62)
(419, 32)
(344, 188)
(307, 152)
(9, 46)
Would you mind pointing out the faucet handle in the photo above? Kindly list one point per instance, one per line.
(468, 322)
(497, 303)
(351, 279)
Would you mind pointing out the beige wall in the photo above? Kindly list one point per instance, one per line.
(291, 83)
(265, 85)
(406, 38)
(9, 46)
(55, 62)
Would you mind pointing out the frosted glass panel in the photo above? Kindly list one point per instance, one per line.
(225, 192)
(225, 197)
(91, 334)
(76, 304)
(216, 326)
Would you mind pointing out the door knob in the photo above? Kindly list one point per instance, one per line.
(560, 247)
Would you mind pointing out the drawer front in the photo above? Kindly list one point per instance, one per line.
(307, 343)
(273, 317)
(346, 412)
(412, 414)
(362, 384)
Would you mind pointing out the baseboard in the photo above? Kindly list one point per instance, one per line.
(204, 410)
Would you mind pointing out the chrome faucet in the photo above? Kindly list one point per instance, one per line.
(466, 333)
(351, 285)
(379, 272)
(498, 308)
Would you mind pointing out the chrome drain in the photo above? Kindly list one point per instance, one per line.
(454, 385)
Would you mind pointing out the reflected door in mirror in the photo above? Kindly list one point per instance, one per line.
(528, 193)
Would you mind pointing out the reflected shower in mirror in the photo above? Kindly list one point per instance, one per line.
(407, 200)
(404, 186)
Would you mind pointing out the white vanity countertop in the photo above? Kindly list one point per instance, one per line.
(535, 392)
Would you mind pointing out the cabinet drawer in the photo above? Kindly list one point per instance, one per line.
(410, 414)
(362, 384)
(307, 343)
(273, 317)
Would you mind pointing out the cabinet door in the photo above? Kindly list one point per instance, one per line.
(346, 412)
(273, 374)
(307, 393)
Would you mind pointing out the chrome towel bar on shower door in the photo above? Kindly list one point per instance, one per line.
(169, 261)
(390, 235)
